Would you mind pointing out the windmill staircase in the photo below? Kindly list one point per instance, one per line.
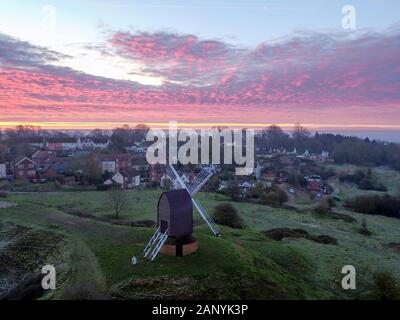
(155, 244)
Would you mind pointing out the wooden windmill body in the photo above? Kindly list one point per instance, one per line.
(175, 216)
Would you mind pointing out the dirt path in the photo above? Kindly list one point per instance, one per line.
(333, 180)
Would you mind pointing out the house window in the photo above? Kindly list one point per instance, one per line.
(20, 173)
(31, 172)
(31, 166)
(20, 166)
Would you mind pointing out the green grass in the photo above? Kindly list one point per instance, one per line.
(241, 264)
(388, 177)
(100, 253)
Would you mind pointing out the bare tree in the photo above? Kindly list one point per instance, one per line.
(119, 200)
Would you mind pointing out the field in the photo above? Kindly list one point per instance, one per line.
(93, 257)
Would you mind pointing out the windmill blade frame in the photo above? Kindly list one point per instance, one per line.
(196, 186)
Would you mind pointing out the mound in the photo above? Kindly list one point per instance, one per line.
(280, 233)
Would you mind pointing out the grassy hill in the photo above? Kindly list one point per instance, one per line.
(95, 260)
(93, 257)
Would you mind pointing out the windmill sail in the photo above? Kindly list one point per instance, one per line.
(202, 178)
(204, 175)
(206, 217)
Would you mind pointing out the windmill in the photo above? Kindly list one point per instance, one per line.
(174, 217)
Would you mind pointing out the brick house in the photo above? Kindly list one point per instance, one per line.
(26, 168)
(314, 186)
(43, 158)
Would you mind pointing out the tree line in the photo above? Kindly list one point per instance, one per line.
(344, 149)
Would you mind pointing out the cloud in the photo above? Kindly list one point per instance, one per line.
(22, 54)
(179, 58)
(309, 75)
(307, 67)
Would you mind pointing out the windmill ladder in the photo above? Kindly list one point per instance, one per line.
(155, 244)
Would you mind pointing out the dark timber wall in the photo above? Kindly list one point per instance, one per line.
(175, 212)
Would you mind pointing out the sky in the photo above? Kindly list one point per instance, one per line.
(87, 64)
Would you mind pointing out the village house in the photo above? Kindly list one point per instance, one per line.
(25, 168)
(126, 178)
(314, 186)
(222, 186)
(91, 143)
(245, 187)
(58, 167)
(274, 175)
(43, 158)
(314, 183)
(137, 147)
(113, 163)
(68, 181)
(165, 179)
(3, 171)
(61, 144)
(140, 163)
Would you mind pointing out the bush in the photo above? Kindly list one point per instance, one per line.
(232, 191)
(274, 197)
(322, 209)
(279, 233)
(364, 181)
(385, 205)
(153, 184)
(227, 215)
(384, 287)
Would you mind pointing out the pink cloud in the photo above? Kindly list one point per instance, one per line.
(309, 77)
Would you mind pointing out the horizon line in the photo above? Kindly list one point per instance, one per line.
(65, 125)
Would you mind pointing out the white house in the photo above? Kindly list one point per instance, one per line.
(3, 171)
(325, 154)
(137, 147)
(127, 179)
(258, 171)
(93, 143)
